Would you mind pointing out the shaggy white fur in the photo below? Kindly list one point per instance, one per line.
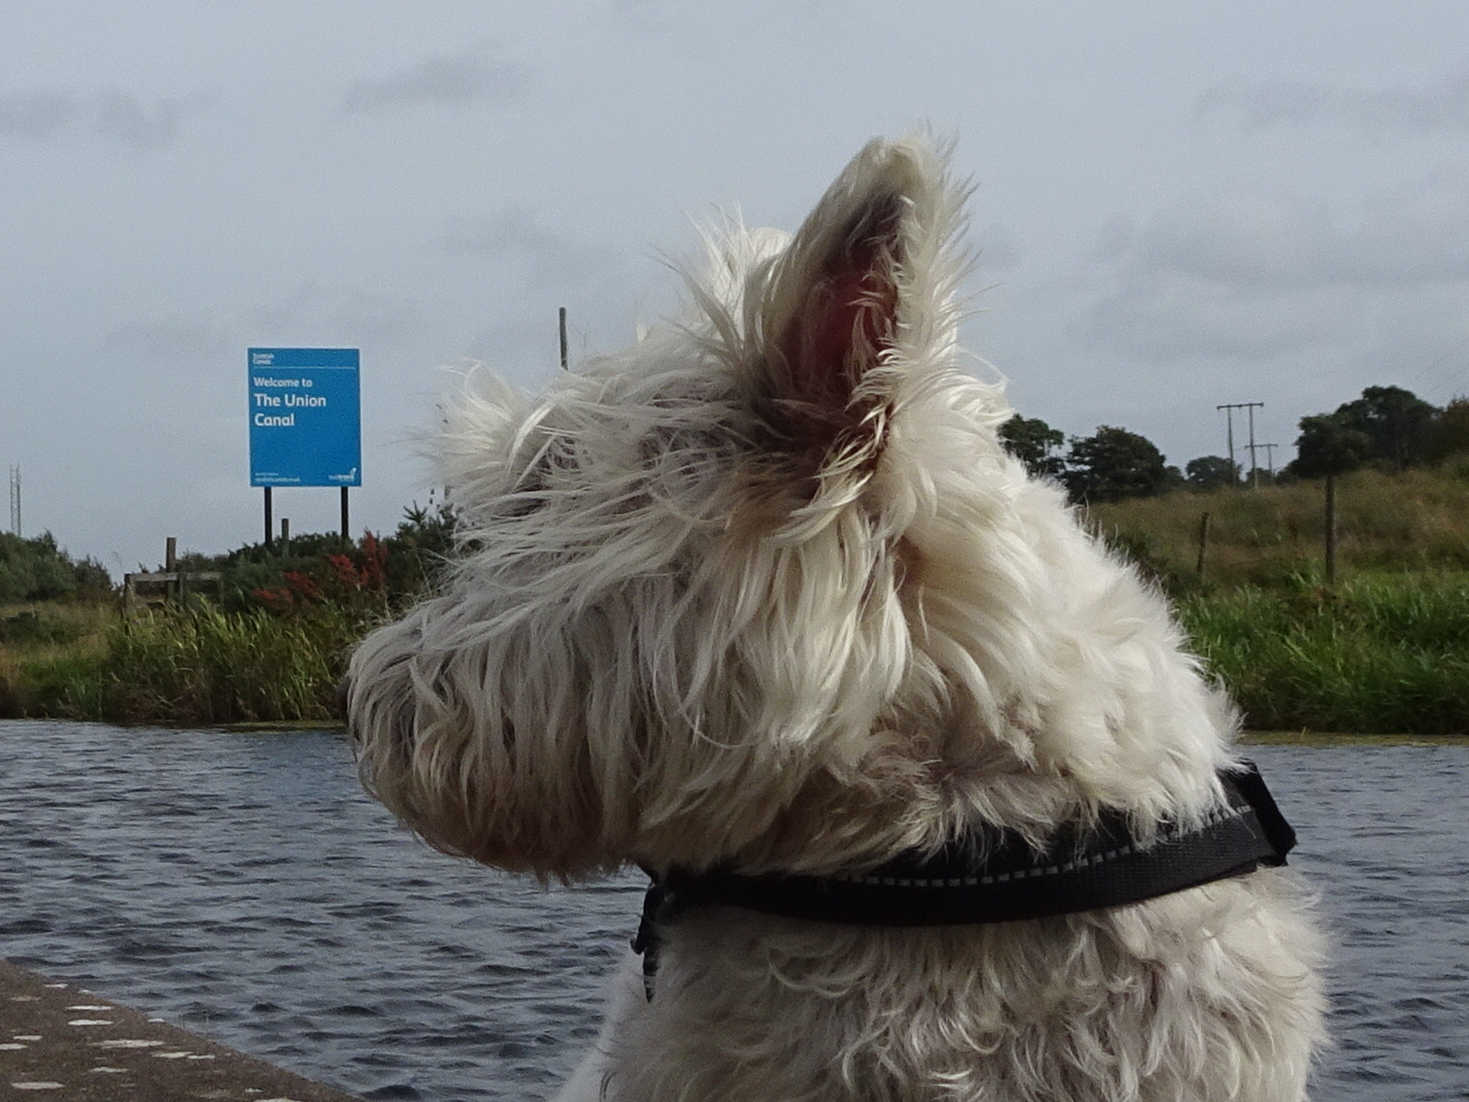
(766, 591)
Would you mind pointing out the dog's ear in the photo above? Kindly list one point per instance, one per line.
(843, 311)
(861, 295)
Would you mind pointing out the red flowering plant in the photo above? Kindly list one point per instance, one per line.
(317, 573)
(276, 599)
(353, 581)
(360, 579)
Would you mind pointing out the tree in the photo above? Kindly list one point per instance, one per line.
(1397, 422)
(1113, 464)
(1211, 472)
(1450, 434)
(1329, 445)
(36, 569)
(1030, 440)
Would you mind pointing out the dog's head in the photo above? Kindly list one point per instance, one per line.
(764, 587)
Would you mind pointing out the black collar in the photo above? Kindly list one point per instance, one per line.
(997, 876)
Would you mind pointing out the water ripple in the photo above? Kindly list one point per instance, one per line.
(244, 887)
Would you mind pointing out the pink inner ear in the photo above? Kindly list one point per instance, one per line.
(846, 320)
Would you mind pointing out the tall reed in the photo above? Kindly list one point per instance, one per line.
(203, 665)
(192, 664)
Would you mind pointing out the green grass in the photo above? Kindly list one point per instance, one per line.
(50, 651)
(1384, 653)
(270, 646)
(1385, 650)
(203, 665)
(1407, 522)
(194, 664)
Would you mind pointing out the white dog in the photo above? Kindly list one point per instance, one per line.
(763, 606)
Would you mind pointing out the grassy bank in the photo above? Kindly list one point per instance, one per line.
(1386, 651)
(1409, 522)
(1382, 653)
(193, 665)
(268, 644)
(47, 649)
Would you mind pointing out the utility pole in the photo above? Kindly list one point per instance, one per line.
(1269, 456)
(1229, 408)
(1229, 436)
(1254, 470)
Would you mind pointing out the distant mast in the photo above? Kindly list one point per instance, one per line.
(15, 499)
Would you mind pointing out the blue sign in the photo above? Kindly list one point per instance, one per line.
(305, 417)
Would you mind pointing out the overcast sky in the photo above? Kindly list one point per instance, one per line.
(1178, 205)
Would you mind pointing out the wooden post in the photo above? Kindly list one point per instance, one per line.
(268, 524)
(172, 584)
(562, 313)
(1330, 531)
(1203, 542)
(345, 528)
(285, 535)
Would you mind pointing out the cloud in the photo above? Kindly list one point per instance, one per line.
(306, 314)
(1408, 235)
(515, 237)
(1442, 106)
(455, 79)
(375, 319)
(512, 230)
(316, 314)
(1162, 317)
(523, 348)
(125, 119)
(997, 249)
(170, 339)
(642, 14)
(1258, 276)
(113, 115)
(37, 116)
(1114, 240)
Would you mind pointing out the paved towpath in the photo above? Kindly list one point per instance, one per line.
(58, 1041)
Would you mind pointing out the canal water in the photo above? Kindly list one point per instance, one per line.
(242, 886)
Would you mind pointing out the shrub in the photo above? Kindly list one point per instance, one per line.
(37, 569)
